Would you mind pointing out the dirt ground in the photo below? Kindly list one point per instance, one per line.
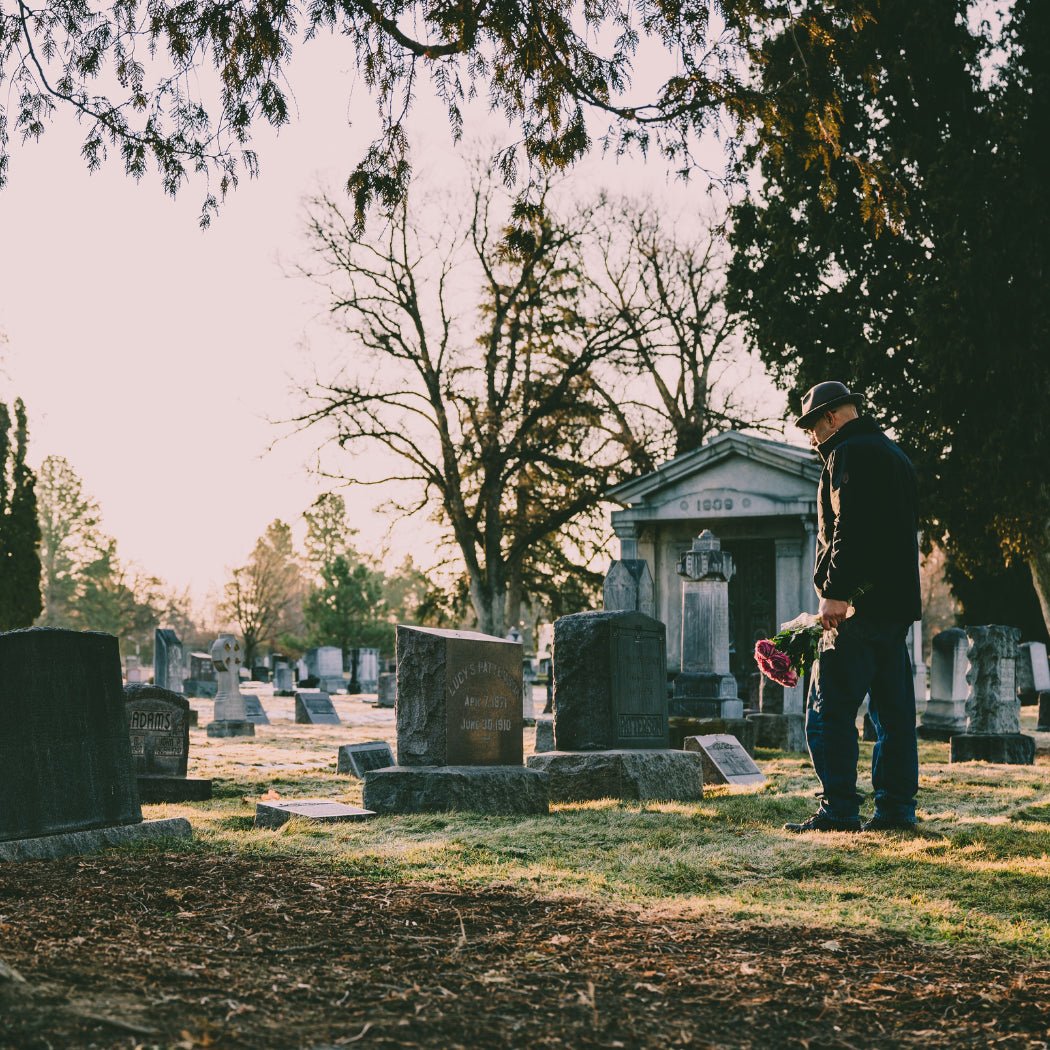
(196, 949)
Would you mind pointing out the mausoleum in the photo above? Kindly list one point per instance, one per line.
(759, 497)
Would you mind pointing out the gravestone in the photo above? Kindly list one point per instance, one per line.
(159, 729)
(1042, 724)
(231, 714)
(260, 673)
(319, 810)
(1033, 672)
(610, 713)
(544, 734)
(725, 761)
(459, 728)
(773, 727)
(283, 679)
(358, 759)
(993, 728)
(528, 681)
(315, 709)
(202, 680)
(363, 665)
(67, 780)
(945, 712)
(325, 663)
(167, 660)
(386, 690)
(254, 710)
(629, 587)
(134, 672)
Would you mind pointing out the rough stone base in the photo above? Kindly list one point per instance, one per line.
(742, 728)
(231, 728)
(1012, 749)
(440, 789)
(1043, 721)
(74, 843)
(779, 732)
(173, 789)
(193, 716)
(631, 776)
(925, 732)
(544, 734)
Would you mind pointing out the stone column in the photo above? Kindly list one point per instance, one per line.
(993, 730)
(705, 688)
(231, 714)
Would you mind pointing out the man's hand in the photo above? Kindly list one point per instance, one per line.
(832, 612)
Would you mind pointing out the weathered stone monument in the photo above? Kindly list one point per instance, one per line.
(231, 714)
(610, 713)
(993, 728)
(945, 713)
(459, 729)
(325, 663)
(359, 759)
(544, 734)
(314, 708)
(1033, 672)
(725, 761)
(283, 679)
(363, 665)
(629, 587)
(202, 680)
(67, 781)
(167, 660)
(159, 729)
(386, 690)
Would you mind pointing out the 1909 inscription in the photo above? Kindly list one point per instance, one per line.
(483, 704)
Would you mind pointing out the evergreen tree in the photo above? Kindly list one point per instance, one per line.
(20, 601)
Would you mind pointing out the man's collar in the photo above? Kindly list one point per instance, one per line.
(852, 427)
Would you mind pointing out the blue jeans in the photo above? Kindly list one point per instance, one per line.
(870, 658)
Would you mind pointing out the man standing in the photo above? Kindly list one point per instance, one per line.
(867, 557)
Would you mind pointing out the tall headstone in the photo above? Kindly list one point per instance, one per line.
(363, 665)
(1033, 672)
(386, 689)
(945, 712)
(159, 728)
(993, 729)
(167, 660)
(67, 781)
(705, 688)
(283, 679)
(202, 680)
(629, 587)
(231, 714)
(610, 713)
(459, 728)
(325, 663)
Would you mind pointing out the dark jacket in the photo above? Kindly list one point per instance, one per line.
(867, 524)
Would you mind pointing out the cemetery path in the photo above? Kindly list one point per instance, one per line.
(198, 949)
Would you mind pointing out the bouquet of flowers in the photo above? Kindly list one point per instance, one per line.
(786, 656)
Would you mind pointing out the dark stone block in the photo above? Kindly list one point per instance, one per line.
(544, 735)
(925, 732)
(742, 728)
(458, 699)
(511, 790)
(386, 690)
(1043, 721)
(192, 718)
(65, 755)
(230, 727)
(359, 759)
(610, 682)
(631, 776)
(315, 709)
(173, 789)
(779, 732)
(254, 710)
(76, 843)
(1012, 749)
(202, 688)
(159, 728)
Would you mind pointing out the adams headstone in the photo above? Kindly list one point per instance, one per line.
(359, 759)
(315, 709)
(66, 771)
(725, 760)
(159, 729)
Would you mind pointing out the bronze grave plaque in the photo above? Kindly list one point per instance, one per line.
(483, 707)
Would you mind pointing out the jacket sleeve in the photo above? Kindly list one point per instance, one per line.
(852, 491)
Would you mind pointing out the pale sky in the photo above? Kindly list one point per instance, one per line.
(152, 354)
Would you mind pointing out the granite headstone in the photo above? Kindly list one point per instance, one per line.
(315, 708)
(167, 660)
(359, 759)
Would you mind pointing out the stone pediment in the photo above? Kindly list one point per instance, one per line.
(734, 475)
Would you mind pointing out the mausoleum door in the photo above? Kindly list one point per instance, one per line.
(752, 604)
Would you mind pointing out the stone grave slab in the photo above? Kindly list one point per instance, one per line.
(628, 775)
(783, 732)
(512, 790)
(610, 682)
(315, 709)
(67, 778)
(359, 759)
(725, 760)
(254, 710)
(159, 730)
(544, 734)
(272, 814)
(1033, 672)
(386, 690)
(945, 711)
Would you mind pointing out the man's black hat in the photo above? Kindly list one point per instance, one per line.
(822, 398)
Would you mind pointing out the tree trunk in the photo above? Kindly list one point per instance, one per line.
(513, 603)
(1039, 566)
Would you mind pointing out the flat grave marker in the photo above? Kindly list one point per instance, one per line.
(322, 810)
(725, 760)
(254, 710)
(359, 759)
(315, 709)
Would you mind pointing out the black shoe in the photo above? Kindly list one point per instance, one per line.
(884, 823)
(823, 822)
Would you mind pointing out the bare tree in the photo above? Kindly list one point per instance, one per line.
(491, 413)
